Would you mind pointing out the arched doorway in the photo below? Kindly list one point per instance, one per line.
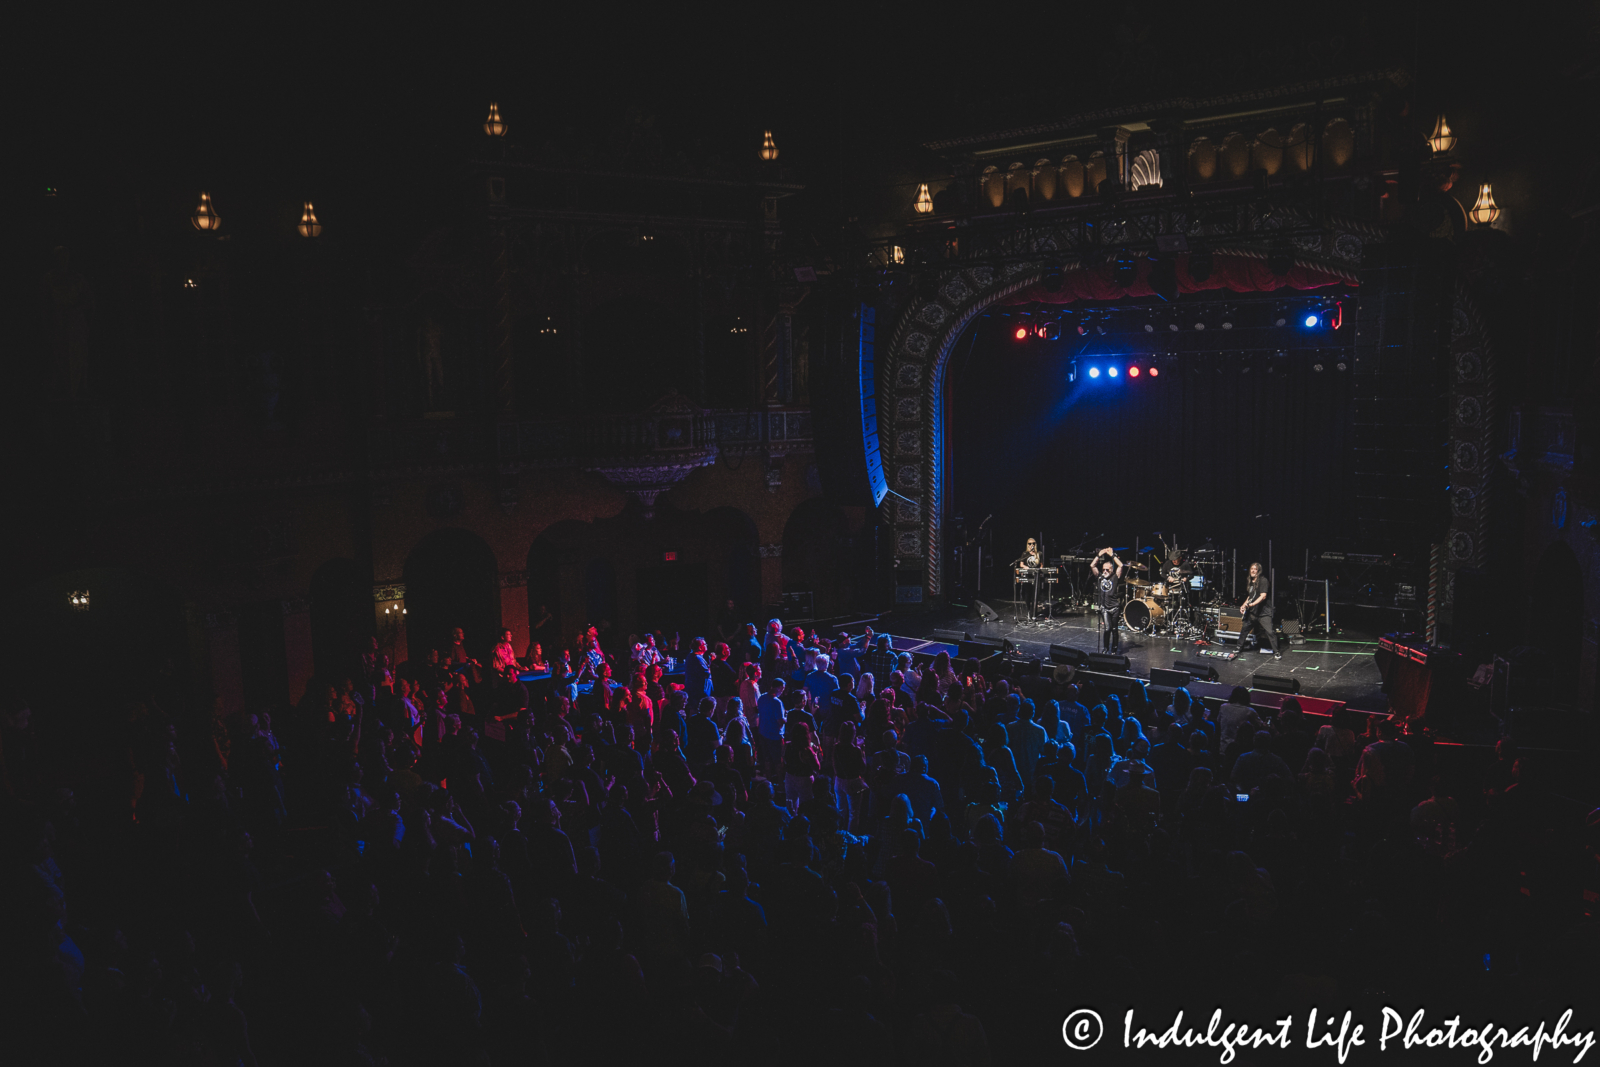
(551, 561)
(341, 618)
(1556, 621)
(451, 580)
(814, 556)
(600, 594)
(731, 538)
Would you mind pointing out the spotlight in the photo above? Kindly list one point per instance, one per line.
(1199, 325)
(1022, 333)
(1280, 317)
(1133, 371)
(1050, 331)
(1339, 365)
(1227, 318)
(1172, 326)
(1112, 371)
(1155, 372)
(1317, 366)
(1149, 327)
(1311, 320)
(1094, 372)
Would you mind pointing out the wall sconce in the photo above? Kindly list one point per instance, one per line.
(897, 254)
(78, 600)
(769, 150)
(1485, 211)
(205, 217)
(924, 204)
(1441, 138)
(309, 226)
(493, 125)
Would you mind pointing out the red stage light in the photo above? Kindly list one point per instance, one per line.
(1133, 372)
(1022, 333)
(1155, 372)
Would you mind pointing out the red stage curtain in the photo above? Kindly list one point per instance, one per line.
(1239, 274)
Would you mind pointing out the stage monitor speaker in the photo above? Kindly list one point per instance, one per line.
(1099, 661)
(1172, 679)
(1074, 657)
(1204, 671)
(985, 612)
(1120, 684)
(978, 648)
(1275, 683)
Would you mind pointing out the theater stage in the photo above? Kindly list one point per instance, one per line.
(1340, 669)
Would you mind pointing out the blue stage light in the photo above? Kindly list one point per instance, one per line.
(1111, 371)
(1094, 372)
(1311, 320)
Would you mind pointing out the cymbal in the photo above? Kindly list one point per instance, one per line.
(1137, 567)
(1138, 583)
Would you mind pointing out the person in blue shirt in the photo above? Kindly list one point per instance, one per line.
(821, 681)
(921, 790)
(697, 672)
(770, 717)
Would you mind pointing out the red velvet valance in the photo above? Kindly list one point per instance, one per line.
(1239, 274)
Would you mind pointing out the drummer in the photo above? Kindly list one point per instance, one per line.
(1178, 573)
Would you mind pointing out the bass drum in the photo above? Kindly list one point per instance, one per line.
(1141, 615)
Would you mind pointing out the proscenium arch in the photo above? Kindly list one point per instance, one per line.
(911, 419)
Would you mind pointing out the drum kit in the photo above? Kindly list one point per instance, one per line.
(1173, 600)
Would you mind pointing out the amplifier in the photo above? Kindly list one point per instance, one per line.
(1275, 683)
(1229, 627)
(1067, 654)
(1203, 671)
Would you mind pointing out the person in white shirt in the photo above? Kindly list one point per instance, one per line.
(646, 654)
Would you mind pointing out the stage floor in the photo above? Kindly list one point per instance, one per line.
(1339, 669)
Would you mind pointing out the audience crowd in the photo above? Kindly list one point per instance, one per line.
(782, 846)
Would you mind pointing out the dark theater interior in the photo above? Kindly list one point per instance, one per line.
(797, 535)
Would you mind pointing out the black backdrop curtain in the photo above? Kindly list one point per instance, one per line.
(1198, 452)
